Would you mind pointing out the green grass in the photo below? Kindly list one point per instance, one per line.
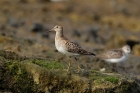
(48, 64)
(20, 78)
(100, 78)
(112, 79)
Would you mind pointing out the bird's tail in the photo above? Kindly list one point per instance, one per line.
(84, 52)
(93, 54)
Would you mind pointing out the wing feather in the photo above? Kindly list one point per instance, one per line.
(74, 48)
(112, 54)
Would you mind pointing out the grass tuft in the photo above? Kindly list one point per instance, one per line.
(112, 79)
(48, 64)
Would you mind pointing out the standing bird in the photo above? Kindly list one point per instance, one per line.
(116, 55)
(64, 46)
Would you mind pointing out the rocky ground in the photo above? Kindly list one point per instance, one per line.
(26, 75)
(95, 25)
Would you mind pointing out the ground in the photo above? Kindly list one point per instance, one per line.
(95, 25)
(26, 75)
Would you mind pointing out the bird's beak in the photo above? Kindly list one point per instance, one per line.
(50, 30)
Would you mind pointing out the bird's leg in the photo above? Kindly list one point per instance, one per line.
(114, 67)
(78, 68)
(75, 58)
(69, 65)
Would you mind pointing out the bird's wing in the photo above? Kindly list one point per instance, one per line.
(74, 48)
(112, 54)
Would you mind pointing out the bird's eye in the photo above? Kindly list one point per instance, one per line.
(128, 49)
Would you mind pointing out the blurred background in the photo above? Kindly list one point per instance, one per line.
(95, 25)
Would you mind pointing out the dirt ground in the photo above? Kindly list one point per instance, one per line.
(95, 25)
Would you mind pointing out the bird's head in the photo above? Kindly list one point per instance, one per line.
(126, 49)
(57, 28)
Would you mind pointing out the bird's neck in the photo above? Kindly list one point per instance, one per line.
(126, 54)
(59, 34)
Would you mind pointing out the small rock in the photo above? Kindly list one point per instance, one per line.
(23, 1)
(3, 34)
(102, 69)
(96, 17)
(45, 35)
(136, 49)
(125, 11)
(12, 22)
(76, 33)
(43, 1)
(93, 32)
(2, 27)
(29, 41)
(116, 40)
(58, 0)
(132, 43)
(37, 27)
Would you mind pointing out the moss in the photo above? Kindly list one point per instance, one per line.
(55, 80)
(48, 64)
(112, 79)
(100, 78)
(22, 81)
(31, 76)
(94, 75)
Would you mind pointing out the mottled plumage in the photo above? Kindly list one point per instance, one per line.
(112, 54)
(74, 48)
(116, 55)
(63, 45)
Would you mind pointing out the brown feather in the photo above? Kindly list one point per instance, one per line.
(112, 54)
(74, 48)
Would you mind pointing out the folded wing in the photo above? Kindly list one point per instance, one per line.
(74, 48)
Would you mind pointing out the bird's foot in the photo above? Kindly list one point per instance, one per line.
(69, 65)
(79, 69)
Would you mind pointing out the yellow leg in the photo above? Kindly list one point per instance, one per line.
(78, 68)
(69, 65)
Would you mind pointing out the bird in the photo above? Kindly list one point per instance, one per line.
(66, 47)
(116, 55)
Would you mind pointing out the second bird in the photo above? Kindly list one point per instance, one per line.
(116, 55)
